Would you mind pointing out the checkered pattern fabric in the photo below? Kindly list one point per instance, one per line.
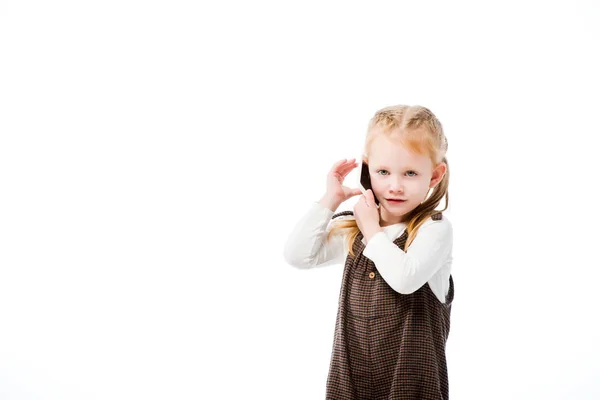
(387, 345)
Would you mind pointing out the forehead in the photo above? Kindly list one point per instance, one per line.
(392, 154)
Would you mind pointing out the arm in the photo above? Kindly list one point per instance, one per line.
(306, 247)
(406, 272)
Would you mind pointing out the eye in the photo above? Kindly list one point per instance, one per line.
(415, 174)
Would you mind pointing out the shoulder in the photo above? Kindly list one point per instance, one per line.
(438, 219)
(433, 239)
(438, 226)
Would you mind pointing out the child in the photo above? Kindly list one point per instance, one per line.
(393, 316)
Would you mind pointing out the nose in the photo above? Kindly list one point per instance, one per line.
(396, 185)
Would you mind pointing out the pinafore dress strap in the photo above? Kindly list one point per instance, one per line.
(436, 217)
(339, 214)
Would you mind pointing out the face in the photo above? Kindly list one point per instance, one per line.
(397, 173)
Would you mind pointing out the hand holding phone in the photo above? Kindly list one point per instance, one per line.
(364, 179)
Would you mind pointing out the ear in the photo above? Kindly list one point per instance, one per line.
(438, 174)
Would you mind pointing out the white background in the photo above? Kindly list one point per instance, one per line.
(154, 156)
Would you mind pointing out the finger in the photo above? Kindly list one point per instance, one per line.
(344, 170)
(360, 202)
(370, 196)
(340, 165)
(337, 164)
(349, 163)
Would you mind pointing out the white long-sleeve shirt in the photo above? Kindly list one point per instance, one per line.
(428, 259)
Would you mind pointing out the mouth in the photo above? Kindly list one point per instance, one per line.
(396, 201)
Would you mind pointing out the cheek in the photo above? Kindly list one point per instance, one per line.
(378, 186)
(424, 185)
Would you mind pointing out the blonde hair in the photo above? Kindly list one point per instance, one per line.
(418, 129)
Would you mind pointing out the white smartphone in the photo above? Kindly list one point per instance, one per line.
(364, 179)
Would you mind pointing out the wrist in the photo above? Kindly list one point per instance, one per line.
(372, 231)
(330, 202)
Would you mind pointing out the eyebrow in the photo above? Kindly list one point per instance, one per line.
(386, 167)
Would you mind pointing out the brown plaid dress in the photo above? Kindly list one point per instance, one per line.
(387, 345)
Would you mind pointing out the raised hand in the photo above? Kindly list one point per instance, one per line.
(335, 179)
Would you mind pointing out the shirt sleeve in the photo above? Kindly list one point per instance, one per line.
(406, 272)
(306, 246)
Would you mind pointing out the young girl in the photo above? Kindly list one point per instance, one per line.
(394, 308)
